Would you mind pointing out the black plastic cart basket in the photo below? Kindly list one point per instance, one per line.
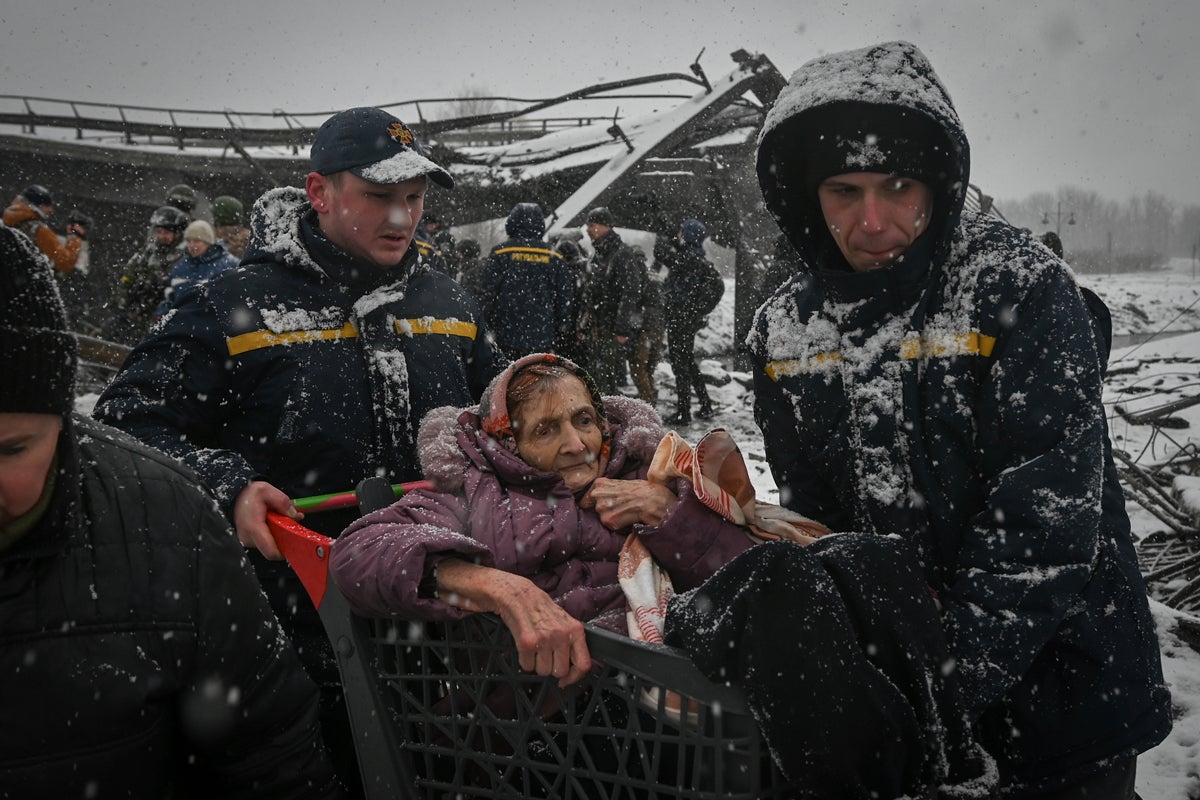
(444, 710)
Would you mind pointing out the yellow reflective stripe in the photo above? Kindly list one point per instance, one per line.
(796, 366)
(260, 339)
(955, 344)
(449, 327)
(972, 343)
(541, 251)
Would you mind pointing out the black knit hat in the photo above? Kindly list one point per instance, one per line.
(38, 195)
(865, 137)
(600, 216)
(37, 354)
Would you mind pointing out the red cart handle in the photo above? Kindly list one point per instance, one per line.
(306, 551)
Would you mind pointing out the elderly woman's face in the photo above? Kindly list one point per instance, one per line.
(557, 430)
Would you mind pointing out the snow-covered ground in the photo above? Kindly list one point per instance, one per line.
(1141, 376)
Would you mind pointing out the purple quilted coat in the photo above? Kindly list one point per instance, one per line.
(493, 508)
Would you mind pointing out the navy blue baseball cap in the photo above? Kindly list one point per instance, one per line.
(375, 146)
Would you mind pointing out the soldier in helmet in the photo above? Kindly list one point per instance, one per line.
(182, 197)
(229, 223)
(143, 281)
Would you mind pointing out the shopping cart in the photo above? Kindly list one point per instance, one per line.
(444, 710)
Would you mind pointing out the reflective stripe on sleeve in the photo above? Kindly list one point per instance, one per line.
(257, 340)
(972, 343)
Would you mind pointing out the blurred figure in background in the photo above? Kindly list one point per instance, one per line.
(691, 291)
(647, 344)
(143, 282)
(527, 293)
(613, 301)
(229, 224)
(205, 257)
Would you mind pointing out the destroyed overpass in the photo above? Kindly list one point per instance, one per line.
(695, 158)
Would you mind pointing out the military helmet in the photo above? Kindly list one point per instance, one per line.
(182, 197)
(227, 210)
(170, 218)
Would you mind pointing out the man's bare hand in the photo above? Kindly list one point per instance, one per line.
(250, 516)
(623, 503)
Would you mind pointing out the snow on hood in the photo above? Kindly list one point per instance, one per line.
(893, 74)
(526, 221)
(275, 229)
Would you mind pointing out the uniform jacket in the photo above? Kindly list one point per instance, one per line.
(492, 507)
(190, 270)
(139, 656)
(527, 289)
(687, 290)
(953, 398)
(143, 287)
(63, 254)
(614, 288)
(302, 367)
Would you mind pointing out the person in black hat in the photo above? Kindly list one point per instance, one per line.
(934, 376)
(308, 368)
(30, 213)
(139, 656)
(612, 301)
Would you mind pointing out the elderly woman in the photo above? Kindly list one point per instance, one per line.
(535, 493)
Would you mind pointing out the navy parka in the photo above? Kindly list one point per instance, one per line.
(302, 367)
(528, 292)
(954, 398)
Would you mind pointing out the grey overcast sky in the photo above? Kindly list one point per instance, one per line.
(1099, 94)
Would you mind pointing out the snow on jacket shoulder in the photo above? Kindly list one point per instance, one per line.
(492, 507)
(301, 367)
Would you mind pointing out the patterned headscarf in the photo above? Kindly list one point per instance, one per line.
(493, 406)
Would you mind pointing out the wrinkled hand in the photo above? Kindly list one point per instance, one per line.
(623, 503)
(549, 641)
(250, 516)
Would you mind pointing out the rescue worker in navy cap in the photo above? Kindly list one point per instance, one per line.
(309, 367)
(933, 375)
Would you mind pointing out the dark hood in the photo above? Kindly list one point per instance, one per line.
(526, 221)
(860, 85)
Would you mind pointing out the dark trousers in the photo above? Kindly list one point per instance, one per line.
(681, 352)
(607, 363)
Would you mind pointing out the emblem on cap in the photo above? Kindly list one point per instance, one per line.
(400, 133)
